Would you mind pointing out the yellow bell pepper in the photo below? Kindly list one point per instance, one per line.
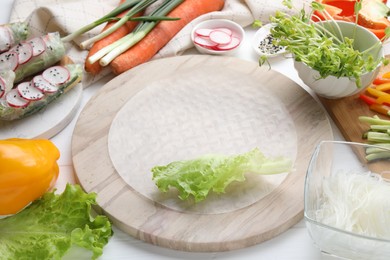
(28, 168)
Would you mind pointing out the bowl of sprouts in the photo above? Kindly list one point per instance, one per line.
(335, 59)
(346, 200)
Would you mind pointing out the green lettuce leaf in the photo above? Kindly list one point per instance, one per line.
(51, 225)
(214, 172)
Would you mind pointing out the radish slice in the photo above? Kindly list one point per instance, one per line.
(29, 92)
(220, 37)
(42, 84)
(14, 99)
(9, 60)
(56, 75)
(24, 50)
(204, 42)
(38, 45)
(225, 30)
(204, 32)
(2, 87)
(231, 45)
(5, 39)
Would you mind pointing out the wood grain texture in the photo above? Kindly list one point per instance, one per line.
(148, 220)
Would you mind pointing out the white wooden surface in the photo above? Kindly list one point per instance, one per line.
(295, 243)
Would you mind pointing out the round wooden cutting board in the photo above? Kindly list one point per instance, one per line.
(190, 230)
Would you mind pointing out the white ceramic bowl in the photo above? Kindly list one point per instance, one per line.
(236, 29)
(259, 37)
(343, 215)
(332, 87)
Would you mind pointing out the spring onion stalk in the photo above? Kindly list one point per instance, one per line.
(140, 6)
(107, 54)
(121, 8)
(100, 54)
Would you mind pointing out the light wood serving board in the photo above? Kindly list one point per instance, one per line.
(157, 224)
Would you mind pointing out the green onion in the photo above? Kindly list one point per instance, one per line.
(108, 17)
(133, 11)
(110, 52)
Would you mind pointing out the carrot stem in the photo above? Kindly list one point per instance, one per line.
(121, 8)
(140, 6)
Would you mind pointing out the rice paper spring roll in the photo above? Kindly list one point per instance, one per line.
(46, 51)
(29, 97)
(11, 34)
(33, 55)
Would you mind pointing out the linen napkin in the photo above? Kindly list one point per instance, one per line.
(66, 16)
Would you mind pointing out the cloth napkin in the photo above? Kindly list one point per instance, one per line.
(66, 16)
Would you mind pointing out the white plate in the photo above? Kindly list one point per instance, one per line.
(260, 35)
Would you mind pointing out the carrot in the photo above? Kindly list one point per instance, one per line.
(95, 68)
(163, 33)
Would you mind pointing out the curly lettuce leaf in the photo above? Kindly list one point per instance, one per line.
(214, 172)
(51, 225)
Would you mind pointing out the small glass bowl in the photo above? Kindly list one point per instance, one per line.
(325, 207)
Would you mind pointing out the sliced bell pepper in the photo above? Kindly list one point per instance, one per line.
(386, 75)
(377, 93)
(367, 99)
(380, 80)
(380, 108)
(383, 87)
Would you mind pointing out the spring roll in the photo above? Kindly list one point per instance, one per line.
(11, 34)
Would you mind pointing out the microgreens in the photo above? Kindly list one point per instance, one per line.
(323, 49)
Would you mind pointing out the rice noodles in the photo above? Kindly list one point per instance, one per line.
(356, 202)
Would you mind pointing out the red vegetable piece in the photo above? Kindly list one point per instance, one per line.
(204, 42)
(204, 32)
(29, 92)
(9, 60)
(231, 45)
(14, 99)
(220, 37)
(367, 99)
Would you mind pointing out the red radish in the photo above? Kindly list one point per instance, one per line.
(231, 45)
(203, 32)
(29, 92)
(220, 37)
(9, 60)
(24, 50)
(38, 45)
(226, 30)
(5, 39)
(56, 75)
(14, 99)
(204, 42)
(2, 87)
(42, 84)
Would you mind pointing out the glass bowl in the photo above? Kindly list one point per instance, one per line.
(346, 212)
